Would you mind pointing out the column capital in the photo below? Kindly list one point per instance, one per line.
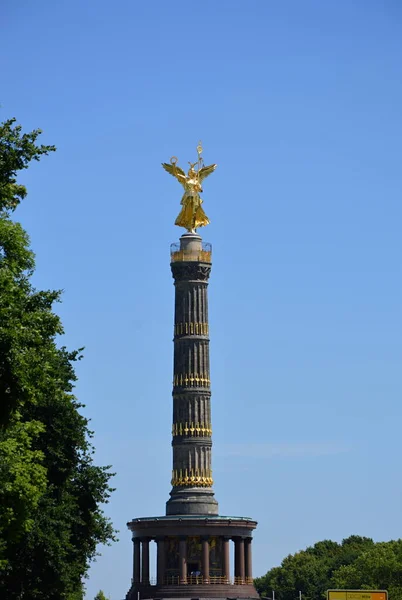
(190, 271)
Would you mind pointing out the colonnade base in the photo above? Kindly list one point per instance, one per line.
(194, 591)
(193, 557)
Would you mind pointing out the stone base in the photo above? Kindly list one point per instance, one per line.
(177, 580)
(192, 501)
(194, 592)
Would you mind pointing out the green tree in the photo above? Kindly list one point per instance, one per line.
(311, 570)
(25, 322)
(100, 596)
(22, 472)
(22, 482)
(380, 568)
(51, 492)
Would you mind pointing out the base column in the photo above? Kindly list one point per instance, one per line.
(160, 560)
(239, 560)
(248, 559)
(183, 561)
(226, 559)
(136, 560)
(205, 560)
(145, 562)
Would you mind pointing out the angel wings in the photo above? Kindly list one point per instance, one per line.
(192, 214)
(182, 178)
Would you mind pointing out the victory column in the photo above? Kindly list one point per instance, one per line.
(193, 553)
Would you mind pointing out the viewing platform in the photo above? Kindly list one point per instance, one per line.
(194, 251)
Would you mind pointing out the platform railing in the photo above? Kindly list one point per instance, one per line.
(200, 580)
(191, 255)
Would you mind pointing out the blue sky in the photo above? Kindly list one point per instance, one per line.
(299, 103)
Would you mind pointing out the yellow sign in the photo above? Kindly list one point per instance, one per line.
(357, 595)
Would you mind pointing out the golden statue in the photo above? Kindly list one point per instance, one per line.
(192, 214)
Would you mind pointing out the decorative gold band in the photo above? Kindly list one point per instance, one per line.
(200, 256)
(192, 477)
(191, 328)
(191, 380)
(191, 429)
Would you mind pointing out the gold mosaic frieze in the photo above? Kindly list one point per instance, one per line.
(188, 256)
(191, 329)
(191, 429)
(191, 380)
(192, 477)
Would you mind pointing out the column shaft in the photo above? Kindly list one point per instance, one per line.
(191, 429)
(205, 560)
(145, 562)
(183, 561)
(226, 559)
(160, 559)
(136, 560)
(239, 560)
(248, 560)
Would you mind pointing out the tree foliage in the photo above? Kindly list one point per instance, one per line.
(355, 563)
(17, 149)
(379, 568)
(100, 596)
(51, 491)
(22, 481)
